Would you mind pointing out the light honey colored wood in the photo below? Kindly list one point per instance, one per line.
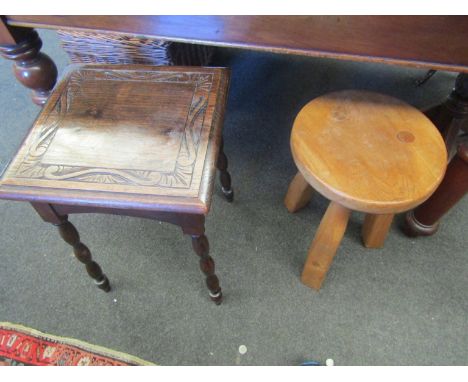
(375, 229)
(125, 136)
(368, 151)
(324, 246)
(299, 194)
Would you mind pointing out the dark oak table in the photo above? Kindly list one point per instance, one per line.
(436, 42)
(432, 42)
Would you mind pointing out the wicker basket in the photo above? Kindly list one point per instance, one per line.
(112, 48)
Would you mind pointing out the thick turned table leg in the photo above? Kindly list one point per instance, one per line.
(33, 69)
(224, 175)
(299, 194)
(326, 242)
(424, 220)
(451, 115)
(202, 248)
(69, 233)
(375, 229)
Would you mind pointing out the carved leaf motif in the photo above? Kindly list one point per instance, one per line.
(30, 169)
(181, 177)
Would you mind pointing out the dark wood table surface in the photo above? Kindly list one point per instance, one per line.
(435, 42)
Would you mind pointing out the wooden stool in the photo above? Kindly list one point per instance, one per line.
(367, 152)
(130, 140)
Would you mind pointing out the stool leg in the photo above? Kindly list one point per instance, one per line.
(69, 233)
(224, 175)
(375, 229)
(202, 248)
(299, 194)
(324, 246)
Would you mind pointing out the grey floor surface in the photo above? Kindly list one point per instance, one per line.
(406, 304)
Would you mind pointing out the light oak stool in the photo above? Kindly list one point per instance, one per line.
(363, 151)
(130, 140)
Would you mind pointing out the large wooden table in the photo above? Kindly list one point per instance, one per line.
(436, 42)
(432, 42)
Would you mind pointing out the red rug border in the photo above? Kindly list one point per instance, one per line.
(82, 346)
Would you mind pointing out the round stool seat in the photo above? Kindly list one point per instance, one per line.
(367, 151)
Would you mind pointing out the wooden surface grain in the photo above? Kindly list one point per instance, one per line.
(299, 194)
(325, 244)
(370, 152)
(375, 229)
(127, 135)
(434, 42)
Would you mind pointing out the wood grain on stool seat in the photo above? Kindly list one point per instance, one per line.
(367, 151)
(125, 136)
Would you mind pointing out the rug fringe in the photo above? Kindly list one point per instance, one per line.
(124, 357)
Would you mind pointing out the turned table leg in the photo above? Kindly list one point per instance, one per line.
(375, 229)
(299, 194)
(33, 69)
(451, 116)
(325, 244)
(424, 220)
(202, 248)
(69, 233)
(224, 175)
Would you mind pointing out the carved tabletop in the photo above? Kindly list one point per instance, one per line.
(124, 136)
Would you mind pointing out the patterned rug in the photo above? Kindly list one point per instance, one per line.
(20, 346)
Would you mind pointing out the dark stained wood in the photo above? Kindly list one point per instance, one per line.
(32, 68)
(191, 224)
(202, 249)
(11, 35)
(224, 176)
(424, 220)
(70, 235)
(434, 42)
(131, 140)
(95, 141)
(451, 116)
